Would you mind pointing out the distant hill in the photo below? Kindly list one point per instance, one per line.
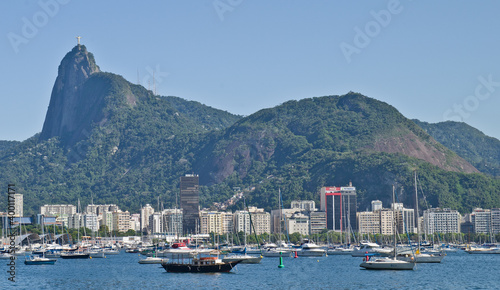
(471, 144)
(108, 139)
(303, 145)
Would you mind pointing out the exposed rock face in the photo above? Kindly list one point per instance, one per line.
(411, 145)
(65, 101)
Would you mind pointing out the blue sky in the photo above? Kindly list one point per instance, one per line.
(432, 60)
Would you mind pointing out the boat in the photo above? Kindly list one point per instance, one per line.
(132, 250)
(108, 251)
(176, 250)
(200, 265)
(96, 254)
(419, 257)
(310, 249)
(422, 258)
(75, 255)
(243, 258)
(272, 250)
(371, 248)
(493, 250)
(340, 251)
(37, 260)
(387, 263)
(5, 256)
(40, 260)
(153, 260)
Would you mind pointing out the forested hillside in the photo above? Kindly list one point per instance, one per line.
(122, 144)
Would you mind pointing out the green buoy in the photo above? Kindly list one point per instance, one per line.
(281, 262)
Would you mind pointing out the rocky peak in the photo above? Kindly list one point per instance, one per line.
(75, 68)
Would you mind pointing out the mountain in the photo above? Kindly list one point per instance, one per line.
(473, 145)
(348, 123)
(4, 145)
(325, 141)
(70, 113)
(122, 144)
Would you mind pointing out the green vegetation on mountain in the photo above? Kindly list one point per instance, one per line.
(122, 144)
(7, 144)
(471, 144)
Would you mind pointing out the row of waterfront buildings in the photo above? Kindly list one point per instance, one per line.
(337, 212)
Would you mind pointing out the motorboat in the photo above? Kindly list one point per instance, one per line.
(493, 250)
(340, 251)
(310, 249)
(153, 260)
(371, 248)
(243, 258)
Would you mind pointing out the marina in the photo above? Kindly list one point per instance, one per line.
(457, 271)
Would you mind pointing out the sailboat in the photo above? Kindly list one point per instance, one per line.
(243, 257)
(419, 257)
(388, 263)
(273, 250)
(40, 260)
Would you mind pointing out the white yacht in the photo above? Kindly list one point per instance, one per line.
(244, 258)
(310, 249)
(371, 248)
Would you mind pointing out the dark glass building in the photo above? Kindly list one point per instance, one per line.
(190, 201)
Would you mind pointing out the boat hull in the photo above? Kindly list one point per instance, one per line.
(153, 261)
(243, 259)
(189, 268)
(51, 262)
(422, 258)
(75, 256)
(496, 251)
(387, 264)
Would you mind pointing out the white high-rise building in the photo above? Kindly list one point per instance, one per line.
(155, 223)
(376, 205)
(481, 219)
(298, 223)
(305, 205)
(495, 221)
(146, 212)
(18, 204)
(121, 221)
(57, 209)
(369, 222)
(242, 222)
(437, 220)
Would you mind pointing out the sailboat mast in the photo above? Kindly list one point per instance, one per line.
(417, 214)
(281, 217)
(394, 221)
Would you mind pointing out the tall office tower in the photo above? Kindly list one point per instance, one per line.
(190, 201)
(339, 203)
